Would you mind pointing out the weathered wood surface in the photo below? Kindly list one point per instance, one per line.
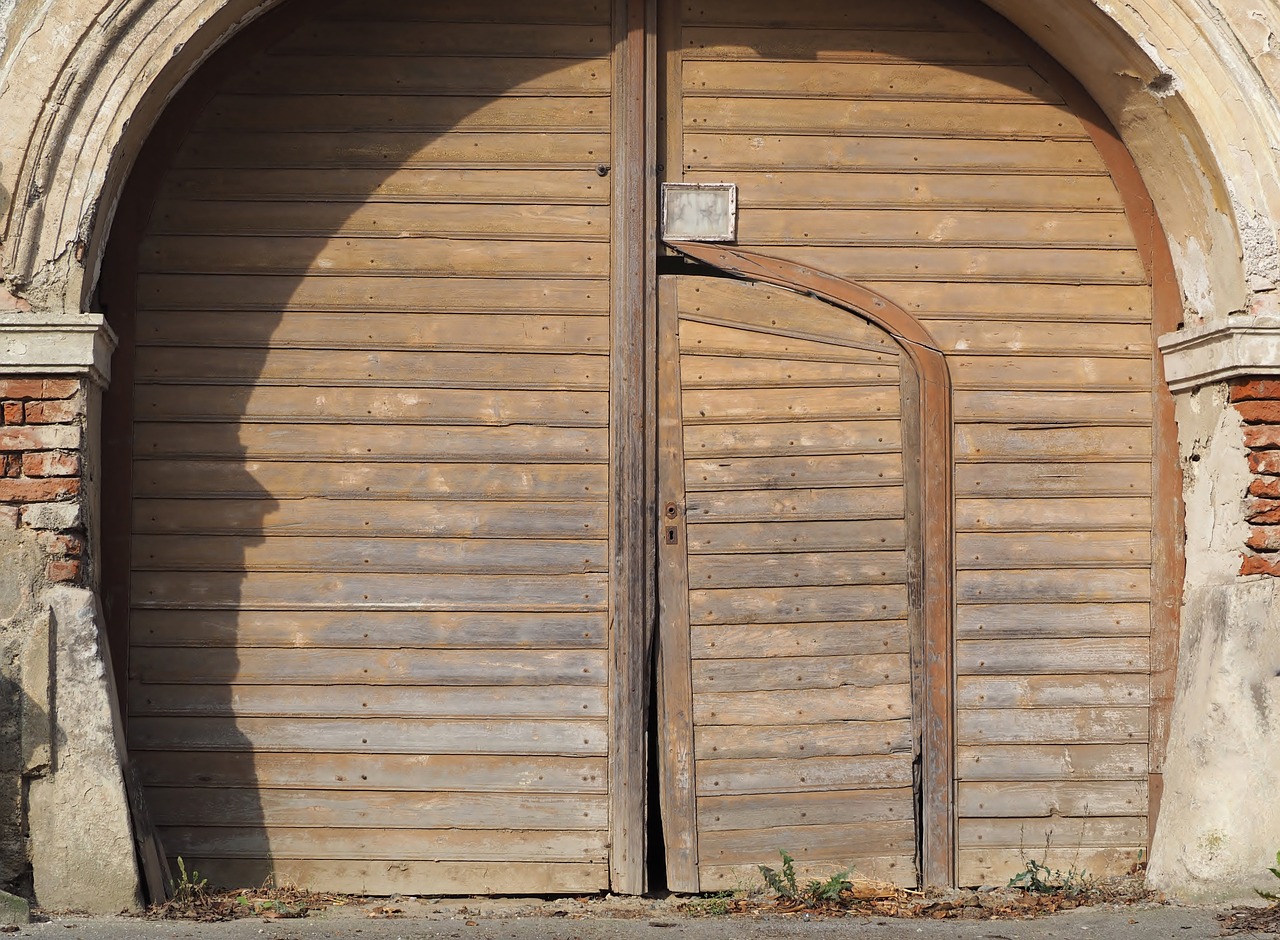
(1059, 799)
(374, 374)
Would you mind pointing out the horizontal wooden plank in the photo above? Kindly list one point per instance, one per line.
(384, 844)
(836, 44)
(863, 502)
(1034, 832)
(1047, 478)
(1052, 762)
(1029, 656)
(865, 80)
(1058, 725)
(898, 870)
(408, 37)
(371, 736)
(1059, 691)
(421, 518)
(995, 866)
(799, 672)
(185, 366)
(852, 114)
(733, 372)
(422, 75)
(709, 538)
(829, 739)
(779, 152)
(1014, 621)
(847, 841)
(1052, 798)
(404, 555)
(798, 568)
(1078, 514)
(764, 641)
(265, 772)
(336, 217)
(306, 668)
(701, 338)
(1102, 303)
(1060, 585)
(468, 11)
(421, 256)
(416, 294)
(798, 604)
(1005, 550)
(734, 473)
(260, 590)
(421, 188)
(365, 406)
(369, 629)
(1066, 372)
(307, 808)
(714, 406)
(777, 311)
(816, 13)
(497, 700)
(975, 442)
(715, 777)
(950, 228)
(340, 149)
(805, 706)
(1044, 337)
(384, 879)
(397, 443)
(369, 331)
(831, 807)
(789, 438)
(908, 188)
(1050, 407)
(990, 265)
(349, 480)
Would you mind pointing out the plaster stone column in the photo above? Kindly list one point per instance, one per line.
(61, 781)
(1219, 824)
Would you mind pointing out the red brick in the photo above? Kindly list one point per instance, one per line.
(53, 412)
(1267, 461)
(10, 465)
(38, 491)
(1259, 412)
(1264, 512)
(59, 388)
(1264, 539)
(8, 517)
(61, 545)
(1260, 564)
(1255, 390)
(13, 412)
(1262, 437)
(22, 388)
(43, 437)
(50, 463)
(63, 570)
(1270, 489)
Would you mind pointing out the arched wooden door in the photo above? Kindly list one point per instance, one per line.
(789, 552)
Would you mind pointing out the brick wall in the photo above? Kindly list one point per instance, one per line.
(1258, 401)
(40, 468)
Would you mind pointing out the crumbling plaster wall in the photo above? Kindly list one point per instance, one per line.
(1190, 84)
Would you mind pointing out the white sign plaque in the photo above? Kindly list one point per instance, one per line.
(699, 212)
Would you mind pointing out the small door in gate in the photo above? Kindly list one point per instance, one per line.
(787, 554)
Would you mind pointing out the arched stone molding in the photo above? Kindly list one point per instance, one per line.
(82, 86)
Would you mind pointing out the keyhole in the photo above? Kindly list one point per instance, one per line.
(671, 535)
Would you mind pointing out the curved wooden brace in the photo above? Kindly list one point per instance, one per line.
(936, 508)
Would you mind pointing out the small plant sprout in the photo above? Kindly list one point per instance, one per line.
(1271, 895)
(815, 893)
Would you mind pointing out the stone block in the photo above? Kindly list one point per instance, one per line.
(53, 516)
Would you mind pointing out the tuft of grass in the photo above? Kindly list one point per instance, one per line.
(814, 893)
(1271, 895)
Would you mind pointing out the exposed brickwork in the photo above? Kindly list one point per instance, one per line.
(1258, 401)
(40, 468)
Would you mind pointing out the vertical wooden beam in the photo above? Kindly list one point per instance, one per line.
(631, 552)
(675, 703)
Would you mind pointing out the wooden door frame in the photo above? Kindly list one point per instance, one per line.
(929, 472)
